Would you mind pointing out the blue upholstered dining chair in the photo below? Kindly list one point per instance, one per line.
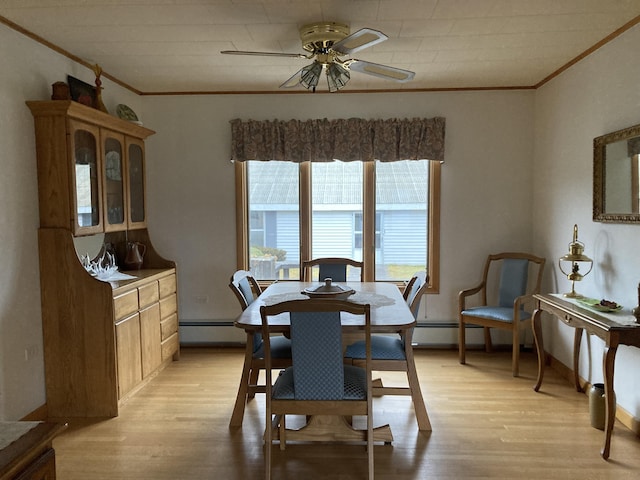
(395, 353)
(246, 289)
(511, 278)
(330, 267)
(318, 382)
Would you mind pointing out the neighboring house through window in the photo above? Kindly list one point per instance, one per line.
(400, 199)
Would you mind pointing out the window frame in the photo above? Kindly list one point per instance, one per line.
(368, 227)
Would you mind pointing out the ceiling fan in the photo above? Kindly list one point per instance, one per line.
(326, 42)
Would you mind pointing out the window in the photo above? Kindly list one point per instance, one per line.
(384, 213)
(336, 195)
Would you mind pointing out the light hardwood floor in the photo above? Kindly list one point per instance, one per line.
(486, 425)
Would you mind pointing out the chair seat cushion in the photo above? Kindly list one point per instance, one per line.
(382, 348)
(355, 384)
(280, 348)
(501, 314)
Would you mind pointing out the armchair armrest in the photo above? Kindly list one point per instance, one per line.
(519, 304)
(463, 294)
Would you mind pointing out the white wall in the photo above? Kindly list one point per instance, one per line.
(486, 184)
(598, 95)
(27, 72)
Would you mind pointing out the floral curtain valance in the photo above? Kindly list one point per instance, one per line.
(343, 139)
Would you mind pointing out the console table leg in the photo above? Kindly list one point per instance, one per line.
(609, 357)
(537, 337)
(577, 338)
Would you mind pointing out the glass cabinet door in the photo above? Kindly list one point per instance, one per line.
(135, 169)
(114, 191)
(86, 179)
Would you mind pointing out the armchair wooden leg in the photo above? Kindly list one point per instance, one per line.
(515, 360)
(488, 346)
(461, 342)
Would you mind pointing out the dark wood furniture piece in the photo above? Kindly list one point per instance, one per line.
(102, 339)
(582, 318)
(30, 456)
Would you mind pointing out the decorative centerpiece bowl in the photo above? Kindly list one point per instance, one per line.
(329, 290)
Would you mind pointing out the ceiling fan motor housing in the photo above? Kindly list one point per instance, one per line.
(319, 37)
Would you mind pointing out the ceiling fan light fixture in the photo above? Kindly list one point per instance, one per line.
(326, 42)
(337, 77)
(310, 75)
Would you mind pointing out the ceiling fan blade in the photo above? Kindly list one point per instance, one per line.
(382, 71)
(294, 80)
(263, 54)
(363, 38)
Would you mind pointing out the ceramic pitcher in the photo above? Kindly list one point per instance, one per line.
(135, 254)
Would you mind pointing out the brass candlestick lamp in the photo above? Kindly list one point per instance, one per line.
(575, 257)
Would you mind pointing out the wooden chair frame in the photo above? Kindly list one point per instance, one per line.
(277, 409)
(252, 365)
(515, 327)
(234, 285)
(308, 265)
(407, 365)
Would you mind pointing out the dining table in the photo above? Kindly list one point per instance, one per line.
(390, 314)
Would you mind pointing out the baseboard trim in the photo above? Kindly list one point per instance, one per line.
(623, 416)
(40, 414)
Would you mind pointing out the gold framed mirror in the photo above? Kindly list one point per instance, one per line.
(616, 176)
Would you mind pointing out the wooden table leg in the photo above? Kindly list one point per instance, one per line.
(537, 337)
(608, 364)
(243, 388)
(577, 339)
(419, 407)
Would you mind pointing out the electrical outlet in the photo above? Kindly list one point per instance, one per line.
(30, 353)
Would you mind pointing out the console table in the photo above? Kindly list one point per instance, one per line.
(613, 329)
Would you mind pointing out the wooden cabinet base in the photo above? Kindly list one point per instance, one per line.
(102, 340)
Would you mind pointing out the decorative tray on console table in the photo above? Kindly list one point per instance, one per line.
(603, 305)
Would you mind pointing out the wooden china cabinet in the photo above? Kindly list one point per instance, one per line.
(102, 339)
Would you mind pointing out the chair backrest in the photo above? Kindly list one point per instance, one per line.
(415, 290)
(330, 267)
(516, 277)
(316, 344)
(244, 285)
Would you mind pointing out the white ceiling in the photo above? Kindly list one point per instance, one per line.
(160, 46)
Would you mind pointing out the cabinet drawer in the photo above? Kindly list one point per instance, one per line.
(167, 285)
(169, 326)
(125, 304)
(170, 346)
(148, 294)
(168, 306)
